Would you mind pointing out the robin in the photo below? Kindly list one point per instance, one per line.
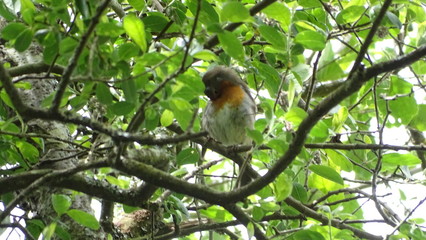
(231, 108)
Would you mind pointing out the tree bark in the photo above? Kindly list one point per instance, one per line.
(54, 155)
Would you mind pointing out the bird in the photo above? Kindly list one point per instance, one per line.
(231, 108)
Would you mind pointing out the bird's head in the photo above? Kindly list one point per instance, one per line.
(219, 78)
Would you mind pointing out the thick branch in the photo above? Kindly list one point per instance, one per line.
(36, 68)
(53, 174)
(244, 219)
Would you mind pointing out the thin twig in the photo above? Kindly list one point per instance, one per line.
(74, 59)
(369, 38)
(312, 82)
(407, 217)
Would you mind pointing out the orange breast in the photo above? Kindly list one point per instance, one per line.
(232, 95)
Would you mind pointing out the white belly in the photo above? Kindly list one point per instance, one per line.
(228, 125)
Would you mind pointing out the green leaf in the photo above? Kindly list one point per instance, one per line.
(269, 206)
(166, 118)
(137, 4)
(257, 213)
(310, 3)
(311, 40)
(206, 55)
(231, 45)
(122, 183)
(49, 230)
(24, 40)
(217, 213)
(178, 204)
(155, 22)
(278, 11)
(419, 67)
(177, 12)
(127, 51)
(122, 108)
(404, 108)
(129, 209)
(83, 218)
(62, 233)
(339, 118)
(399, 86)
(320, 130)
(109, 29)
(270, 75)
(129, 90)
(187, 156)
(278, 145)
(28, 15)
(208, 14)
(350, 14)
(393, 19)
(151, 118)
(6, 99)
(234, 11)
(307, 234)
(327, 172)
(28, 151)
(295, 116)
(135, 28)
(34, 226)
(299, 192)
(419, 121)
(61, 203)
(407, 159)
(339, 159)
(103, 94)
(330, 71)
(283, 187)
(12, 30)
(250, 230)
(5, 12)
(179, 104)
(27, 4)
(67, 45)
(274, 37)
(83, 8)
(256, 135)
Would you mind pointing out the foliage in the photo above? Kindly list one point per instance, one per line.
(333, 80)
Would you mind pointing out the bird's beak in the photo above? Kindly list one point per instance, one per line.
(210, 93)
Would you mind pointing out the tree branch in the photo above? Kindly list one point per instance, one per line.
(369, 38)
(244, 219)
(365, 146)
(326, 221)
(52, 174)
